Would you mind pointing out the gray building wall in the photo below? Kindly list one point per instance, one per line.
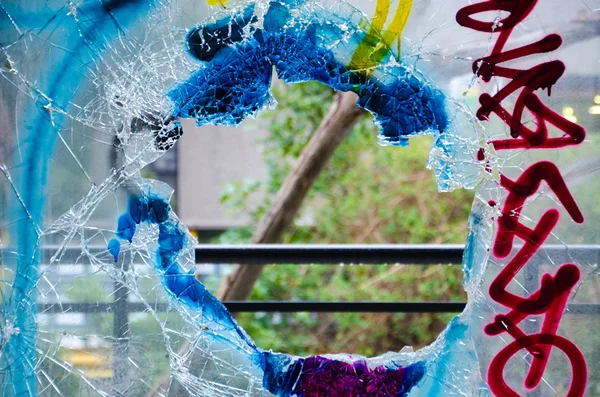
(209, 157)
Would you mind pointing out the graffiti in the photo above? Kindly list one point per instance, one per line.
(93, 93)
(551, 298)
(227, 89)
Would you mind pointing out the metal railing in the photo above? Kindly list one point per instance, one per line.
(417, 255)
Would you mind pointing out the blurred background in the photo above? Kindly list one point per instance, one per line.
(226, 179)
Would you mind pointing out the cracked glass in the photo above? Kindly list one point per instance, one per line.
(99, 290)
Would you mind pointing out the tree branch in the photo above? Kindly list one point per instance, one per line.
(334, 128)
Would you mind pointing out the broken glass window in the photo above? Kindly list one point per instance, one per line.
(96, 267)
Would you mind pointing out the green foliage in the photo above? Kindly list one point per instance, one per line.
(367, 194)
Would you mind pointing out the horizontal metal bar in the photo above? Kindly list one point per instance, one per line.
(373, 307)
(297, 253)
(422, 254)
(345, 307)
(132, 307)
(301, 306)
(275, 306)
(260, 254)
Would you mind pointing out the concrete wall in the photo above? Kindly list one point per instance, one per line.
(208, 158)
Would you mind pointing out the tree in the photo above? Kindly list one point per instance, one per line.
(314, 156)
(365, 194)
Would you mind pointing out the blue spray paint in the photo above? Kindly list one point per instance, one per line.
(233, 85)
(237, 69)
(282, 372)
(180, 283)
(55, 88)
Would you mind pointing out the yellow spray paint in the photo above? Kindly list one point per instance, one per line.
(217, 2)
(377, 42)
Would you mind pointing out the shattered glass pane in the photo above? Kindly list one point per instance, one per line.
(96, 267)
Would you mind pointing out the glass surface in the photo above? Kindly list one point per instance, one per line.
(99, 290)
